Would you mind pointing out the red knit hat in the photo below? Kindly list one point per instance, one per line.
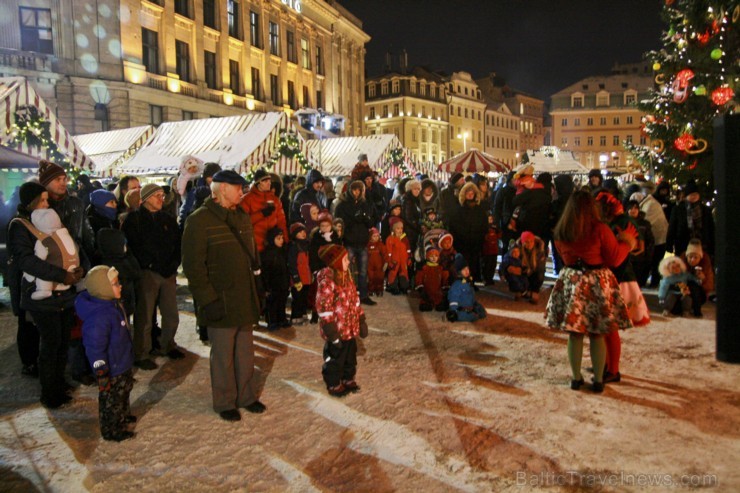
(48, 171)
(526, 236)
(332, 255)
(295, 228)
(374, 231)
(325, 217)
(393, 220)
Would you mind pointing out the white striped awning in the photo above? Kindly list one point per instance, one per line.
(235, 142)
(16, 92)
(552, 160)
(109, 149)
(337, 157)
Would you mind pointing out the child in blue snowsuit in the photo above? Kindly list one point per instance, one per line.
(461, 296)
(107, 339)
(512, 272)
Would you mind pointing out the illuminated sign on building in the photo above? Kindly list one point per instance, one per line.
(293, 4)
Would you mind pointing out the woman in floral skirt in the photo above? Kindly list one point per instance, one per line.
(586, 299)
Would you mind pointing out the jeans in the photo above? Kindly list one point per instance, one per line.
(359, 253)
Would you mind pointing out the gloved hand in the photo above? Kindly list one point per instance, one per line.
(298, 286)
(268, 209)
(103, 376)
(363, 327)
(73, 276)
(214, 311)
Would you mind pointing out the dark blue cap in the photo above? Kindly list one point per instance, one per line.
(229, 176)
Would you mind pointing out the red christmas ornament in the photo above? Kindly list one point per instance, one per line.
(693, 165)
(669, 2)
(722, 95)
(703, 38)
(684, 142)
(681, 85)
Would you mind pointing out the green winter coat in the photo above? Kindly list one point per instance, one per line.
(217, 267)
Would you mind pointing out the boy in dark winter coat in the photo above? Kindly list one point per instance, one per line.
(276, 278)
(107, 339)
(489, 254)
(113, 251)
(342, 319)
(300, 273)
(461, 296)
(512, 272)
(431, 281)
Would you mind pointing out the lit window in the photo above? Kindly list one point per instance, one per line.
(274, 39)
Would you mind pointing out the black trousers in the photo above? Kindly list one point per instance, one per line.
(658, 254)
(54, 331)
(339, 363)
(674, 300)
(489, 267)
(275, 306)
(28, 340)
(299, 306)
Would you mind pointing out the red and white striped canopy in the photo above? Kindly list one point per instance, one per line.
(16, 92)
(474, 161)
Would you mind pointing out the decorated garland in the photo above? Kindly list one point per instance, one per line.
(398, 159)
(34, 130)
(288, 146)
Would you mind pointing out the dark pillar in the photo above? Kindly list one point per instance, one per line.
(727, 250)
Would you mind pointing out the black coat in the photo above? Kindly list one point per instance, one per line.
(411, 214)
(679, 232)
(275, 274)
(535, 212)
(21, 258)
(469, 226)
(358, 217)
(154, 239)
(308, 195)
(71, 211)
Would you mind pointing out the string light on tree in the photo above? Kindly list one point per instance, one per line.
(288, 146)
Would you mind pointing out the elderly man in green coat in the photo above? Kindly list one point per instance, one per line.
(220, 261)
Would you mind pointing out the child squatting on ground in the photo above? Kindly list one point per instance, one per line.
(341, 320)
(107, 339)
(679, 290)
(463, 306)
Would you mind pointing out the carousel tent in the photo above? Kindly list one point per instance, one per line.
(108, 149)
(553, 160)
(473, 161)
(234, 142)
(15, 94)
(337, 156)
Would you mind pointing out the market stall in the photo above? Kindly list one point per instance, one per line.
(473, 161)
(552, 160)
(337, 156)
(109, 149)
(29, 127)
(241, 143)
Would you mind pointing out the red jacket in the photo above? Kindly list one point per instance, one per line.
(432, 278)
(398, 250)
(377, 255)
(338, 306)
(253, 203)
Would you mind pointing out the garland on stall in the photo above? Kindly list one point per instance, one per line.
(288, 146)
(398, 159)
(33, 130)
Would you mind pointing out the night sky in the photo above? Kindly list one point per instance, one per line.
(538, 46)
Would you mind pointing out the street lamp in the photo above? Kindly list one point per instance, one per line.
(464, 138)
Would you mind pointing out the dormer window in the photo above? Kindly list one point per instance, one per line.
(371, 90)
(602, 98)
(576, 100)
(630, 97)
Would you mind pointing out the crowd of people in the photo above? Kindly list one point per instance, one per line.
(86, 263)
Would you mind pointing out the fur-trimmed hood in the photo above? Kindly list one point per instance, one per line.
(665, 266)
(464, 190)
(277, 184)
(426, 183)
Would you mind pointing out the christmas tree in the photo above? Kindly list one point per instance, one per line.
(696, 75)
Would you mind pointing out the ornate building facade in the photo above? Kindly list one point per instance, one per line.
(111, 64)
(413, 105)
(595, 115)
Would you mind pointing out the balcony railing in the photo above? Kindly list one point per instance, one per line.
(157, 81)
(26, 60)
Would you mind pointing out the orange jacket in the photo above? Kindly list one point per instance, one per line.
(253, 203)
